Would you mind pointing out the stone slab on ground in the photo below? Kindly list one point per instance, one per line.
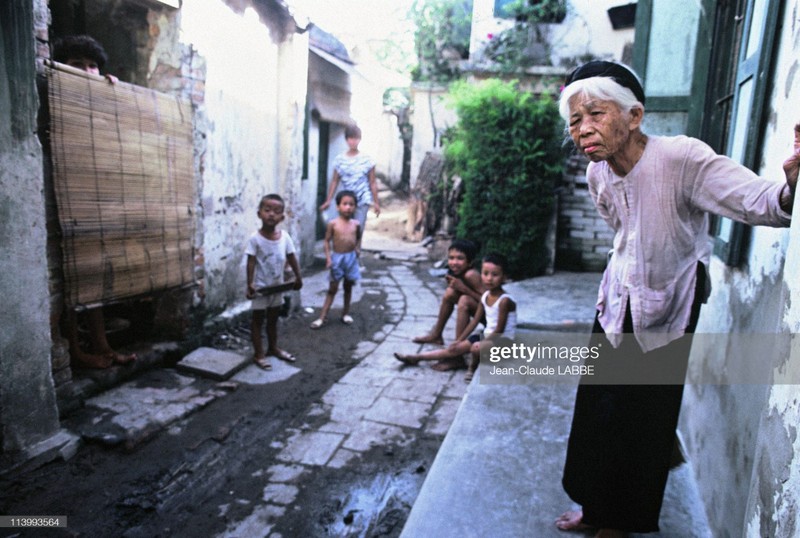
(133, 412)
(212, 363)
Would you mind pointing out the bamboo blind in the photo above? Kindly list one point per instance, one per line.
(123, 176)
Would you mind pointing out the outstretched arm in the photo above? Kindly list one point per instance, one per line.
(791, 167)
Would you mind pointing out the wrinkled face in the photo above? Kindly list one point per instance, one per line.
(347, 206)
(457, 261)
(492, 275)
(84, 64)
(599, 128)
(271, 212)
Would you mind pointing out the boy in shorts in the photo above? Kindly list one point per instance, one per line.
(268, 251)
(342, 249)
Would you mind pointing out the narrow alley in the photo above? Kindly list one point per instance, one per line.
(340, 443)
(336, 444)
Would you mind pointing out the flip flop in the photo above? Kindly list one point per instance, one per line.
(288, 357)
(347, 319)
(263, 363)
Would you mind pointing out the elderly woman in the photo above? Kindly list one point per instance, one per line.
(655, 192)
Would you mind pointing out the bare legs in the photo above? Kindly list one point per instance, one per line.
(102, 355)
(259, 357)
(456, 349)
(446, 307)
(333, 288)
(465, 307)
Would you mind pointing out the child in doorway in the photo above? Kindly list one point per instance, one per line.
(82, 52)
(500, 310)
(463, 293)
(343, 237)
(268, 251)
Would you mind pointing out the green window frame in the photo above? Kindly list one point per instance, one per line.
(756, 42)
(733, 56)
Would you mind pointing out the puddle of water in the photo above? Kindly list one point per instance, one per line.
(376, 508)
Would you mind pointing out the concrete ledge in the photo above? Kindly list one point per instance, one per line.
(498, 471)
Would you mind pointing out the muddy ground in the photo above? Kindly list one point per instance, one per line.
(176, 483)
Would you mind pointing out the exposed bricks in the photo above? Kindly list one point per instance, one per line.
(584, 238)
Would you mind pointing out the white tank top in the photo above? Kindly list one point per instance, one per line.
(493, 312)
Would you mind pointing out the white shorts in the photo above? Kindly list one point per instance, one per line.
(262, 302)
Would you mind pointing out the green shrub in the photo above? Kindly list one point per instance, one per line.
(506, 147)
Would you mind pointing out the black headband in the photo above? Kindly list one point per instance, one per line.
(600, 68)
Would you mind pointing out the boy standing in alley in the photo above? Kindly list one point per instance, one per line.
(268, 251)
(342, 249)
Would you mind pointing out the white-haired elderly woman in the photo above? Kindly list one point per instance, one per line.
(655, 192)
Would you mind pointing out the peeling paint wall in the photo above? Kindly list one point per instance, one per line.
(742, 440)
(253, 116)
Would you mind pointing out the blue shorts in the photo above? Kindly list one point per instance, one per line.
(345, 265)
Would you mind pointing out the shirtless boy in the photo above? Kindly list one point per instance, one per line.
(342, 249)
(463, 293)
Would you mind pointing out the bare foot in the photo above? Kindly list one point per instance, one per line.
(445, 365)
(86, 360)
(262, 362)
(405, 359)
(429, 339)
(571, 520)
(119, 358)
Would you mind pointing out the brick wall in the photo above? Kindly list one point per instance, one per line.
(583, 238)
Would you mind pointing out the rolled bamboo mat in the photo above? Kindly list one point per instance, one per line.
(124, 184)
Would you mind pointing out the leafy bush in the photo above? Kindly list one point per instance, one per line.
(441, 38)
(506, 147)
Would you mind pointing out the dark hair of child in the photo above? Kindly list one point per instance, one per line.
(498, 260)
(79, 46)
(352, 131)
(467, 247)
(276, 197)
(342, 194)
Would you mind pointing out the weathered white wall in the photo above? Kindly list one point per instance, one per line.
(586, 30)
(254, 107)
(28, 413)
(428, 128)
(381, 136)
(742, 439)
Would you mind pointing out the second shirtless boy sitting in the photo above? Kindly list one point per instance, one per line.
(342, 249)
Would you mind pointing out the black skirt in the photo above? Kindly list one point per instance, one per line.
(622, 437)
